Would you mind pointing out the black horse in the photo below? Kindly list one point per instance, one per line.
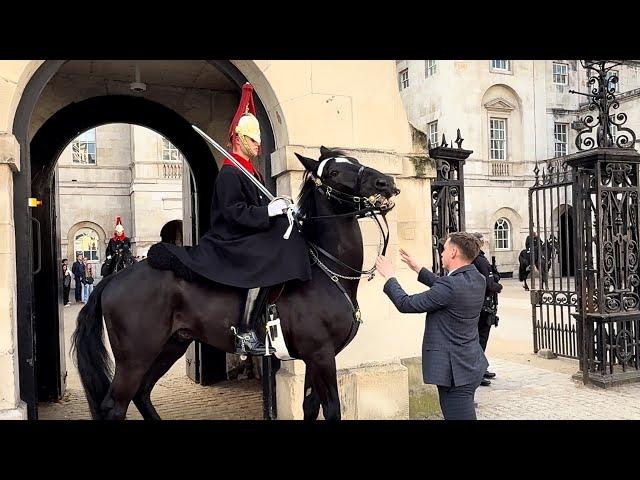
(152, 329)
(545, 254)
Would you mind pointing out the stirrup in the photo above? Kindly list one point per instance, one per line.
(247, 343)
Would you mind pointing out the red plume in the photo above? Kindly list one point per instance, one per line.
(246, 102)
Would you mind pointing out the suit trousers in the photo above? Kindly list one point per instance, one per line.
(457, 402)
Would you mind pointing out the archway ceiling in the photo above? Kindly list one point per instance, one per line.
(174, 73)
(175, 80)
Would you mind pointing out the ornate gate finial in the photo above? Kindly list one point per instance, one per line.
(603, 99)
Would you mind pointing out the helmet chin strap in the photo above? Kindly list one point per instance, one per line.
(245, 148)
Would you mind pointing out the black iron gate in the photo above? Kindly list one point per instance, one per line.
(593, 315)
(553, 295)
(447, 195)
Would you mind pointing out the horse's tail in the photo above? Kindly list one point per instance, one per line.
(89, 351)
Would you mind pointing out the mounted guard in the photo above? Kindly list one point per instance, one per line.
(118, 251)
(244, 247)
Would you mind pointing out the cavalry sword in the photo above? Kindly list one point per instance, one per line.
(253, 179)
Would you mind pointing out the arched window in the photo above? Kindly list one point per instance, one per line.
(502, 234)
(87, 243)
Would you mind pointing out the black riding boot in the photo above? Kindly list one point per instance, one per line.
(247, 342)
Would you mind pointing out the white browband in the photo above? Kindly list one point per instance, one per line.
(337, 159)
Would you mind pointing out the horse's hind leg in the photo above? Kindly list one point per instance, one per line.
(131, 367)
(126, 382)
(325, 383)
(311, 404)
(172, 351)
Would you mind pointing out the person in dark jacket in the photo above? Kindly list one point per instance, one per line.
(245, 247)
(66, 283)
(452, 357)
(487, 315)
(77, 269)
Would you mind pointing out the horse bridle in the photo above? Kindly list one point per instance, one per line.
(364, 207)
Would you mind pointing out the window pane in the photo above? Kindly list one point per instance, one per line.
(88, 136)
(433, 133)
(502, 234)
(500, 64)
(170, 153)
(498, 138)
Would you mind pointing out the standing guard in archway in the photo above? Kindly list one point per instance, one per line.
(118, 251)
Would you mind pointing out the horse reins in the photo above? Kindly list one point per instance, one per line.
(365, 207)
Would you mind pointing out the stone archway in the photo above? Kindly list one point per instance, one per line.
(171, 232)
(40, 147)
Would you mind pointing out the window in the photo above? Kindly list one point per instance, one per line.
(560, 131)
(614, 86)
(84, 148)
(404, 79)
(498, 131)
(560, 73)
(169, 152)
(502, 65)
(432, 67)
(502, 234)
(433, 133)
(86, 243)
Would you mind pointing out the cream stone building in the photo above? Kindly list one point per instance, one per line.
(118, 170)
(45, 105)
(512, 114)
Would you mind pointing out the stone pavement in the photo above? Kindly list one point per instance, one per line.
(175, 396)
(525, 392)
(526, 386)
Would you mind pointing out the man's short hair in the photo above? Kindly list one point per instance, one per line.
(468, 244)
(478, 235)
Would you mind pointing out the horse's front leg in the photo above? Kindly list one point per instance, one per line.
(325, 383)
(311, 404)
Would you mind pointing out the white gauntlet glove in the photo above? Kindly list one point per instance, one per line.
(278, 206)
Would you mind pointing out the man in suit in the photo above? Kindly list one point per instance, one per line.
(452, 357)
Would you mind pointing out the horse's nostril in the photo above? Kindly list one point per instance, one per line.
(396, 191)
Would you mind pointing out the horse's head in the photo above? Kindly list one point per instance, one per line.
(346, 177)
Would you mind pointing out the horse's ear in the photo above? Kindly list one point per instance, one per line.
(308, 163)
(324, 152)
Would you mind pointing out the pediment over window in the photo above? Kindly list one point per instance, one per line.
(500, 105)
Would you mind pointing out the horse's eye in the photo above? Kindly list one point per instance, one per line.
(334, 173)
